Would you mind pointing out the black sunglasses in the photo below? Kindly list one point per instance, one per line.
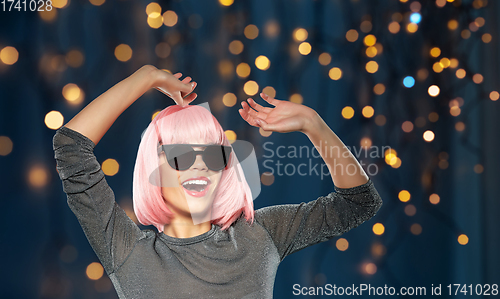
(182, 156)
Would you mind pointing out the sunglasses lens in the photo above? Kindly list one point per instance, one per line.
(216, 157)
(181, 157)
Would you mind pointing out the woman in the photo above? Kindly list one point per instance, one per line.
(207, 246)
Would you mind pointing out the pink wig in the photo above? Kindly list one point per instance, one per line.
(176, 124)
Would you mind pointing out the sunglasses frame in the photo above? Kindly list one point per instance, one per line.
(167, 147)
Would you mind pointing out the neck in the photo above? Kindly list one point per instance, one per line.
(185, 229)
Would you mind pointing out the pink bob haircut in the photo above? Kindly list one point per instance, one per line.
(176, 124)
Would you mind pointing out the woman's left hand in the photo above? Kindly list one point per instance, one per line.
(284, 117)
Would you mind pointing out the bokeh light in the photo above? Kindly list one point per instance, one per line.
(170, 18)
(296, 98)
(236, 47)
(428, 135)
(38, 176)
(352, 35)
(110, 167)
(305, 48)
(408, 82)
(251, 31)
(123, 52)
(342, 244)
(368, 111)
(6, 145)
(325, 59)
(243, 70)
(433, 90)
(267, 178)
(378, 229)
(251, 88)
(54, 120)
(229, 99)
(347, 112)
(9, 55)
(230, 135)
(463, 239)
(335, 73)
(262, 63)
(300, 34)
(404, 195)
(94, 271)
(434, 199)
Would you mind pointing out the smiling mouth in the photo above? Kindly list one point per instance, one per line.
(195, 185)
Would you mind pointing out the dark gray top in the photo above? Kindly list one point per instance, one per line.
(240, 262)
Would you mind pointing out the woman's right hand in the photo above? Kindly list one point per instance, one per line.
(179, 91)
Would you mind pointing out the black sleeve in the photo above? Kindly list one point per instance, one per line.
(111, 233)
(296, 226)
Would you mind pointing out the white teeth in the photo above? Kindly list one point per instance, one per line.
(195, 182)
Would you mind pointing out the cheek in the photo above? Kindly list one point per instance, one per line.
(169, 176)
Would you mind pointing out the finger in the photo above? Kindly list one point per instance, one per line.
(190, 98)
(252, 112)
(258, 107)
(268, 99)
(267, 127)
(177, 75)
(250, 120)
(186, 80)
(192, 86)
(178, 99)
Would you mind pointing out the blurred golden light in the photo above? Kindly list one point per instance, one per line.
(370, 40)
(453, 63)
(378, 249)
(422, 74)
(397, 17)
(272, 28)
(443, 155)
(48, 15)
(170, 18)
(433, 90)
(226, 2)
(243, 70)
(352, 35)
(296, 98)
(9, 55)
(95, 271)
(229, 99)
(494, 95)
(455, 111)
(477, 78)
(267, 178)
(54, 120)
(342, 244)
(262, 62)
(403, 1)
(230, 135)
(59, 3)
(325, 59)
(379, 89)
(391, 159)
(463, 239)
(251, 31)
(110, 167)
(410, 210)
(347, 112)
(97, 2)
(236, 47)
(226, 68)
(123, 52)
(370, 268)
(459, 126)
(371, 67)
(394, 27)
(480, 21)
(74, 58)
(434, 199)
(380, 120)
(300, 34)
(440, 3)
(155, 20)
(251, 88)
(478, 168)
(407, 126)
(366, 26)
(465, 34)
(397, 164)
(162, 50)
(428, 135)
(415, 6)
(155, 114)
(270, 91)
(445, 62)
(38, 176)
(416, 229)
(71, 92)
(433, 117)
(153, 7)
(452, 24)
(411, 27)
(437, 67)
(265, 133)
(5, 145)
(335, 73)
(460, 73)
(378, 228)
(368, 111)
(305, 48)
(371, 51)
(390, 151)
(486, 38)
(366, 143)
(404, 195)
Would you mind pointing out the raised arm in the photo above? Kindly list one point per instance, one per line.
(96, 119)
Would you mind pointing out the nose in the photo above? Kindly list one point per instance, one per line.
(199, 164)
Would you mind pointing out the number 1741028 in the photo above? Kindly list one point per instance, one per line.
(26, 5)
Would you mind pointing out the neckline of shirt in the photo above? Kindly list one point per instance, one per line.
(188, 241)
